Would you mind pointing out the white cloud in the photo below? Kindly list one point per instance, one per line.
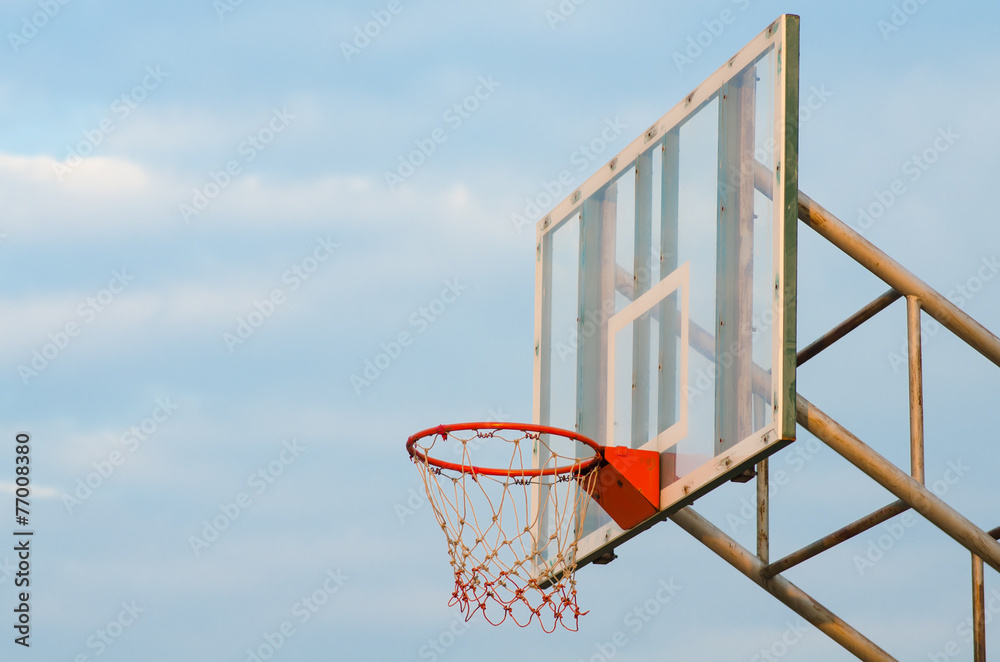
(170, 311)
(77, 450)
(115, 198)
(98, 195)
(90, 176)
(37, 491)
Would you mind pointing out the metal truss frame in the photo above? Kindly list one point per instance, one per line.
(908, 487)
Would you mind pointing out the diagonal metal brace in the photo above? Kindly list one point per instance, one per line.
(898, 482)
(791, 595)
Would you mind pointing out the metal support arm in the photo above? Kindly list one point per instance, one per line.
(826, 542)
(785, 591)
(898, 482)
(848, 325)
(867, 255)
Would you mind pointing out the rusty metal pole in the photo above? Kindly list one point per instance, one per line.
(892, 478)
(791, 595)
(763, 524)
(848, 325)
(916, 389)
(835, 538)
(978, 611)
(867, 255)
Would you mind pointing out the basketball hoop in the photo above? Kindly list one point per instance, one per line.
(511, 528)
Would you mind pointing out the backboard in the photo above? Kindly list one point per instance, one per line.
(665, 290)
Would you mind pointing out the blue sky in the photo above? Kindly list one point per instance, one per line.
(261, 117)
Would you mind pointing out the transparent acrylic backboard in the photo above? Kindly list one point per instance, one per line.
(665, 290)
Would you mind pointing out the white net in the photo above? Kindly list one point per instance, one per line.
(511, 558)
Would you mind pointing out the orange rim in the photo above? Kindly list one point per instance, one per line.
(581, 467)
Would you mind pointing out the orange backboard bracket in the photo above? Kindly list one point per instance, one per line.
(628, 485)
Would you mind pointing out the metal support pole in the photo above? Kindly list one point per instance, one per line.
(763, 525)
(916, 389)
(979, 605)
(791, 595)
(848, 325)
(978, 611)
(898, 482)
(867, 255)
(835, 538)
